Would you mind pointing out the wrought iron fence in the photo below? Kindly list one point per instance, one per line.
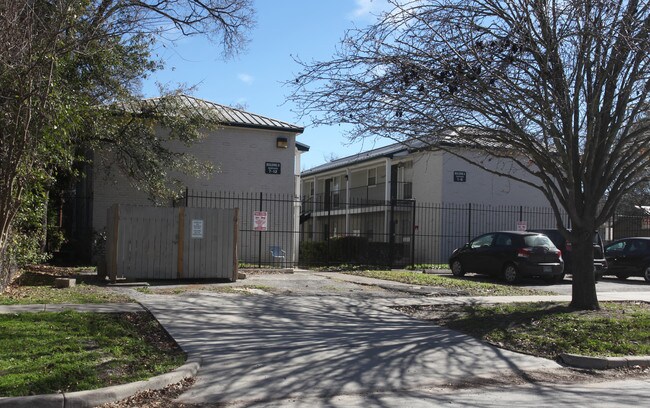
(268, 224)
(281, 230)
(310, 231)
(628, 224)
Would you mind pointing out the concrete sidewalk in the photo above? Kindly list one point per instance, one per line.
(258, 348)
(86, 307)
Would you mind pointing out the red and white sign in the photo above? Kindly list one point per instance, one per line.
(260, 220)
(645, 223)
(522, 226)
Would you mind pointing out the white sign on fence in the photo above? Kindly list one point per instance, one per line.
(260, 220)
(522, 226)
(197, 228)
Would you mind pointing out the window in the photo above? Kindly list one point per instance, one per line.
(503, 240)
(372, 177)
(408, 190)
(483, 241)
(538, 241)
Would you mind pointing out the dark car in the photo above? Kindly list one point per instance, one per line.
(629, 257)
(509, 255)
(600, 263)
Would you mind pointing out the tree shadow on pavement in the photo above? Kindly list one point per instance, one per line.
(256, 349)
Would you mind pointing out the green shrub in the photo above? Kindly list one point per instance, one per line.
(347, 250)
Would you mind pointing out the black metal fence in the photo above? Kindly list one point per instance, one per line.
(268, 224)
(404, 232)
(633, 223)
(321, 230)
(282, 230)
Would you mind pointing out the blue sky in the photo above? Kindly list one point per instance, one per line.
(310, 29)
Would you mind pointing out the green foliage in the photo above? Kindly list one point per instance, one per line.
(463, 286)
(420, 267)
(43, 353)
(548, 329)
(28, 237)
(61, 64)
(347, 250)
(313, 252)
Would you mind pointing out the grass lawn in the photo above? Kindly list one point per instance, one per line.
(37, 288)
(44, 353)
(548, 329)
(467, 287)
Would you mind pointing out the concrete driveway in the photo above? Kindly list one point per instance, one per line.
(283, 349)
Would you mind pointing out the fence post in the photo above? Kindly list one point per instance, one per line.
(521, 213)
(391, 234)
(469, 222)
(413, 238)
(259, 239)
(186, 195)
(327, 232)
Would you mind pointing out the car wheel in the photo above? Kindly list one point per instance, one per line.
(622, 276)
(646, 273)
(457, 268)
(510, 273)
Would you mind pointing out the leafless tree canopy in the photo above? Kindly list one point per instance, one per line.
(566, 77)
(562, 84)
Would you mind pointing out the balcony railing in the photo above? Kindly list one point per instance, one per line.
(359, 197)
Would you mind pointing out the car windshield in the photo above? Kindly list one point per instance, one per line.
(538, 241)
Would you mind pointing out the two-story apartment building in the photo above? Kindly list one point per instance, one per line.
(374, 194)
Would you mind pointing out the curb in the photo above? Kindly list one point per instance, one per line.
(92, 398)
(603, 363)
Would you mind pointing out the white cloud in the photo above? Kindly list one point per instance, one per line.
(245, 78)
(368, 9)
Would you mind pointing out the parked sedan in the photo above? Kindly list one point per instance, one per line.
(600, 264)
(509, 255)
(629, 257)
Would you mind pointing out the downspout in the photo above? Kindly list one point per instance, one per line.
(347, 202)
(387, 187)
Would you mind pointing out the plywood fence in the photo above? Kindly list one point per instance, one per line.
(171, 243)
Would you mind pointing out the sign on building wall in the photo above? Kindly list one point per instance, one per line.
(272, 167)
(260, 220)
(460, 176)
(197, 229)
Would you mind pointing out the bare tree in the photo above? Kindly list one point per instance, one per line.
(561, 87)
(61, 59)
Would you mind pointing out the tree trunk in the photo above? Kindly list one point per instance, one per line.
(584, 281)
(6, 267)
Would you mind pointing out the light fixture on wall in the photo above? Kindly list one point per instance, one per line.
(281, 143)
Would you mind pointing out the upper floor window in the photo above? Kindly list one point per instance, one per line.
(372, 177)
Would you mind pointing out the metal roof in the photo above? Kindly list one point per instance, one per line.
(226, 115)
(385, 151)
(446, 139)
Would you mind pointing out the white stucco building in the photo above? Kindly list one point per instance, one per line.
(373, 193)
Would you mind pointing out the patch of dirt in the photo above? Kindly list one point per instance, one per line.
(152, 331)
(156, 398)
(265, 271)
(565, 375)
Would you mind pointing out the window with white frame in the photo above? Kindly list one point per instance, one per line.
(372, 177)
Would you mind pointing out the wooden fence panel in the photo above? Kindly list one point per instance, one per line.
(171, 243)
